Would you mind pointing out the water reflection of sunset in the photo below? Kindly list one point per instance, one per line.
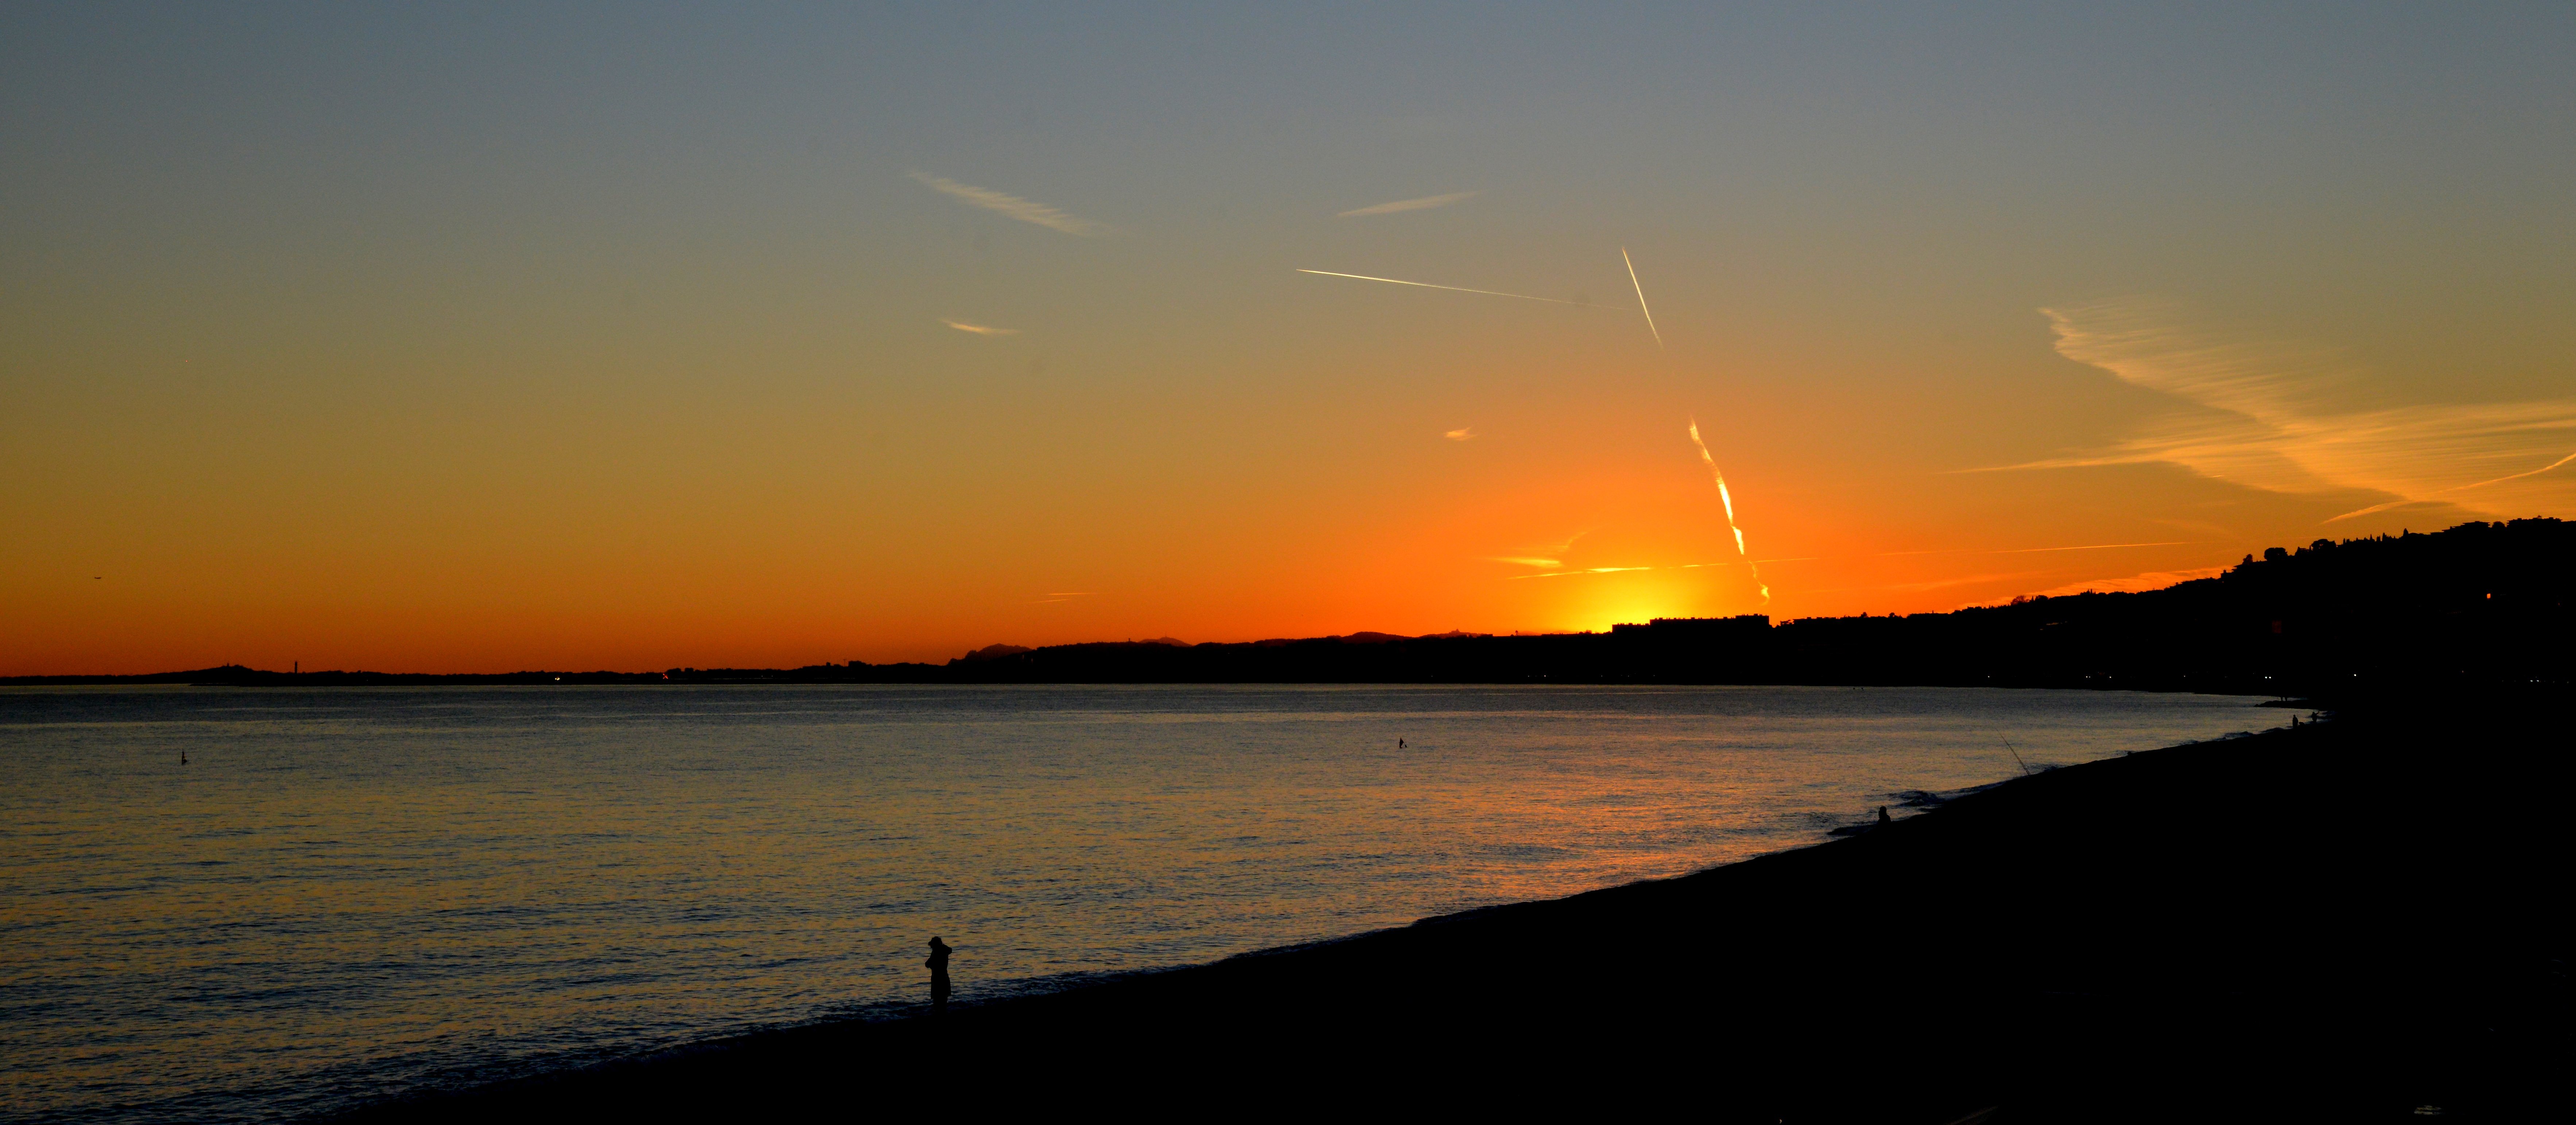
(401, 883)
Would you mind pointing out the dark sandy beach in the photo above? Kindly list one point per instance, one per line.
(2350, 921)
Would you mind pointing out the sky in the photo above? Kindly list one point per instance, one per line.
(481, 338)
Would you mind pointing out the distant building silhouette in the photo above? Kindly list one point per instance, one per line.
(1746, 626)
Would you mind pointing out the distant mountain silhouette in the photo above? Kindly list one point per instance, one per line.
(2478, 603)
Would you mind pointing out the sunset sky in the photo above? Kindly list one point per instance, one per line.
(468, 338)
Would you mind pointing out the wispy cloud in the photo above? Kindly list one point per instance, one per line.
(2288, 417)
(2037, 550)
(1451, 288)
(980, 329)
(2457, 488)
(1462, 433)
(2152, 580)
(1025, 210)
(1582, 572)
(1543, 564)
(1561, 548)
(1600, 569)
(1936, 584)
(1423, 204)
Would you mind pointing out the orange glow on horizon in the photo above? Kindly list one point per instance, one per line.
(781, 360)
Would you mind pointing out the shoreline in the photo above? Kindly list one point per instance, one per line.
(2157, 933)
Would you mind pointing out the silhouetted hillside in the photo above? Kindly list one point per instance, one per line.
(2479, 603)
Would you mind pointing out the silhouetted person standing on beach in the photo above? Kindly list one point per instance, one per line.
(938, 964)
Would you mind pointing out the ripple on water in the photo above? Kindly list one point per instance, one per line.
(348, 893)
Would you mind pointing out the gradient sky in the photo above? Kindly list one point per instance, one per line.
(463, 338)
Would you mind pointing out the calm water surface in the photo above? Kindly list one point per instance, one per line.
(348, 893)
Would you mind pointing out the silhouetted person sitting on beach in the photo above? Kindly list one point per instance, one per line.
(938, 964)
(1883, 819)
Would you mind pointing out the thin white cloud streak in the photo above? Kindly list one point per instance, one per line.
(2519, 476)
(1462, 433)
(2461, 488)
(1423, 204)
(1540, 563)
(2152, 580)
(1025, 210)
(2036, 550)
(1728, 500)
(1650, 313)
(1580, 573)
(1451, 288)
(1911, 587)
(2276, 416)
(980, 329)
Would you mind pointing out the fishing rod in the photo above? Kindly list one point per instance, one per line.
(2025, 766)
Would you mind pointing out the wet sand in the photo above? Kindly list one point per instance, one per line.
(2346, 921)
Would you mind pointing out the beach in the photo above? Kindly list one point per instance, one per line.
(2214, 931)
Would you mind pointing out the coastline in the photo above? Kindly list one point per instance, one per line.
(2173, 932)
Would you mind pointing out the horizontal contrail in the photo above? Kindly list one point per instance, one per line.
(2460, 488)
(1604, 569)
(1025, 210)
(1451, 288)
(2516, 476)
(2037, 550)
(1574, 573)
(1425, 203)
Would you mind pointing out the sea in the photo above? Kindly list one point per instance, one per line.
(346, 894)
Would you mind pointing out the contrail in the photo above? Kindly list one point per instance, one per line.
(1025, 210)
(1729, 501)
(2458, 488)
(2038, 550)
(1724, 497)
(2516, 476)
(1423, 204)
(1451, 288)
(1650, 313)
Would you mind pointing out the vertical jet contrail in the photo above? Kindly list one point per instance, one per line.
(1641, 299)
(1729, 502)
(1724, 497)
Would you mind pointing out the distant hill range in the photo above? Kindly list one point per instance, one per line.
(2478, 603)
